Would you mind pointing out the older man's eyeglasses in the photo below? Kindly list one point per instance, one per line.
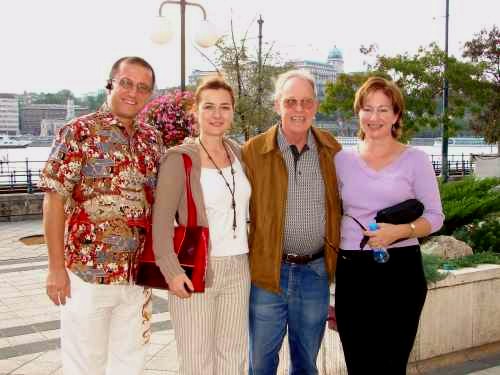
(128, 84)
(292, 103)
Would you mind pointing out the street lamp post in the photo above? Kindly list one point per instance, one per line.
(162, 32)
(444, 145)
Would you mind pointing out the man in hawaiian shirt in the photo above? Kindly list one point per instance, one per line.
(98, 182)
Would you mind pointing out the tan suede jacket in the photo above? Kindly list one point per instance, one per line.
(170, 197)
(268, 177)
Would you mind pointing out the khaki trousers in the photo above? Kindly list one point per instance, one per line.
(211, 328)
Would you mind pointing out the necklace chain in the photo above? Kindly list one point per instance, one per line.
(231, 191)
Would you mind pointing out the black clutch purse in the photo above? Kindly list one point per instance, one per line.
(401, 213)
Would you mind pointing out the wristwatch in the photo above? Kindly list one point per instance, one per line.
(413, 230)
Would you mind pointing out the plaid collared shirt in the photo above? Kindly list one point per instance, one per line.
(305, 216)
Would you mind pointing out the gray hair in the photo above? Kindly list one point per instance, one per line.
(295, 73)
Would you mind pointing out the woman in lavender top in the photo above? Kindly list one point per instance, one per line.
(378, 305)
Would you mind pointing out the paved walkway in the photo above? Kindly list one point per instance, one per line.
(29, 322)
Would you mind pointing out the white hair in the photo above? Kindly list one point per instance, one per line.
(295, 73)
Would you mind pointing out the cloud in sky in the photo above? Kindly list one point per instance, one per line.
(54, 44)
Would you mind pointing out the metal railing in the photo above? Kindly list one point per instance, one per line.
(458, 165)
(20, 176)
(23, 176)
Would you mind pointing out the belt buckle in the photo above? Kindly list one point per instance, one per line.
(295, 259)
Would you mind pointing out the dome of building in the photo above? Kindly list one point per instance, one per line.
(335, 53)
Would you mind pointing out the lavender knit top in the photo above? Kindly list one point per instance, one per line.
(365, 191)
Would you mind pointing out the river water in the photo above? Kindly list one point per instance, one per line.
(38, 155)
(455, 152)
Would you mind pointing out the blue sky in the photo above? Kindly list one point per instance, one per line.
(48, 45)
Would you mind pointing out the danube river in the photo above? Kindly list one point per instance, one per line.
(454, 152)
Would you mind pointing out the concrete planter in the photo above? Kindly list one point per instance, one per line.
(462, 312)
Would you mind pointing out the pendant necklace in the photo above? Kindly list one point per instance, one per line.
(233, 202)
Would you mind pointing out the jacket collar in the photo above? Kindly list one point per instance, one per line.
(271, 140)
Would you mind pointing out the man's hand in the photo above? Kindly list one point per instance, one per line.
(181, 286)
(58, 286)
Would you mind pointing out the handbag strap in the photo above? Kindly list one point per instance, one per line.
(191, 214)
(365, 239)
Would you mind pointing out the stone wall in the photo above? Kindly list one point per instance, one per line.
(460, 315)
(16, 207)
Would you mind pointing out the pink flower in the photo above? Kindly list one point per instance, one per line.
(170, 114)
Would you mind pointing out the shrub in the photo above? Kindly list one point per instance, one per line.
(433, 263)
(481, 235)
(467, 200)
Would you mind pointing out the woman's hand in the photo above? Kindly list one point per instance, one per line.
(332, 318)
(386, 234)
(181, 286)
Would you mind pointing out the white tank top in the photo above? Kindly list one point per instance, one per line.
(225, 242)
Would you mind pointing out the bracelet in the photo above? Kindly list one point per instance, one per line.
(413, 229)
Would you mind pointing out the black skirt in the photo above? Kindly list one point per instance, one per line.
(378, 308)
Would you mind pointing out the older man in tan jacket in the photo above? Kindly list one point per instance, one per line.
(294, 230)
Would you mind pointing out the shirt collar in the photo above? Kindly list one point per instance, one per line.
(104, 108)
(284, 146)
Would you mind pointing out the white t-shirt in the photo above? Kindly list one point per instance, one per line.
(220, 212)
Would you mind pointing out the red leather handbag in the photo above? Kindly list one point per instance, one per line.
(190, 245)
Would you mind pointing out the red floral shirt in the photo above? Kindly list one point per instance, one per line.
(108, 180)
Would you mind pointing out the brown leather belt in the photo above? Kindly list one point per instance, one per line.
(302, 259)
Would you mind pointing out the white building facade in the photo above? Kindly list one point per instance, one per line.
(323, 72)
(9, 114)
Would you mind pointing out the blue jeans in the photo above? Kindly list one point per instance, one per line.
(302, 304)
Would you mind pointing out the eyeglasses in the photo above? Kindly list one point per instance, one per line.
(291, 103)
(381, 111)
(128, 84)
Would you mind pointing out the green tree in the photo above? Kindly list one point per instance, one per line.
(339, 96)
(420, 77)
(484, 50)
(253, 85)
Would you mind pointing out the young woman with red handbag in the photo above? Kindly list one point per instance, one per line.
(211, 328)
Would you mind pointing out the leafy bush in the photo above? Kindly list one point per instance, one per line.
(467, 200)
(481, 235)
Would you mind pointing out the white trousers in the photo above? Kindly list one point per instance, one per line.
(211, 328)
(104, 329)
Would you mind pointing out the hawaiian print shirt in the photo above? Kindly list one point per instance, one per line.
(108, 181)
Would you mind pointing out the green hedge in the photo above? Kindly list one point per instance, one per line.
(432, 263)
(468, 200)
(481, 234)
